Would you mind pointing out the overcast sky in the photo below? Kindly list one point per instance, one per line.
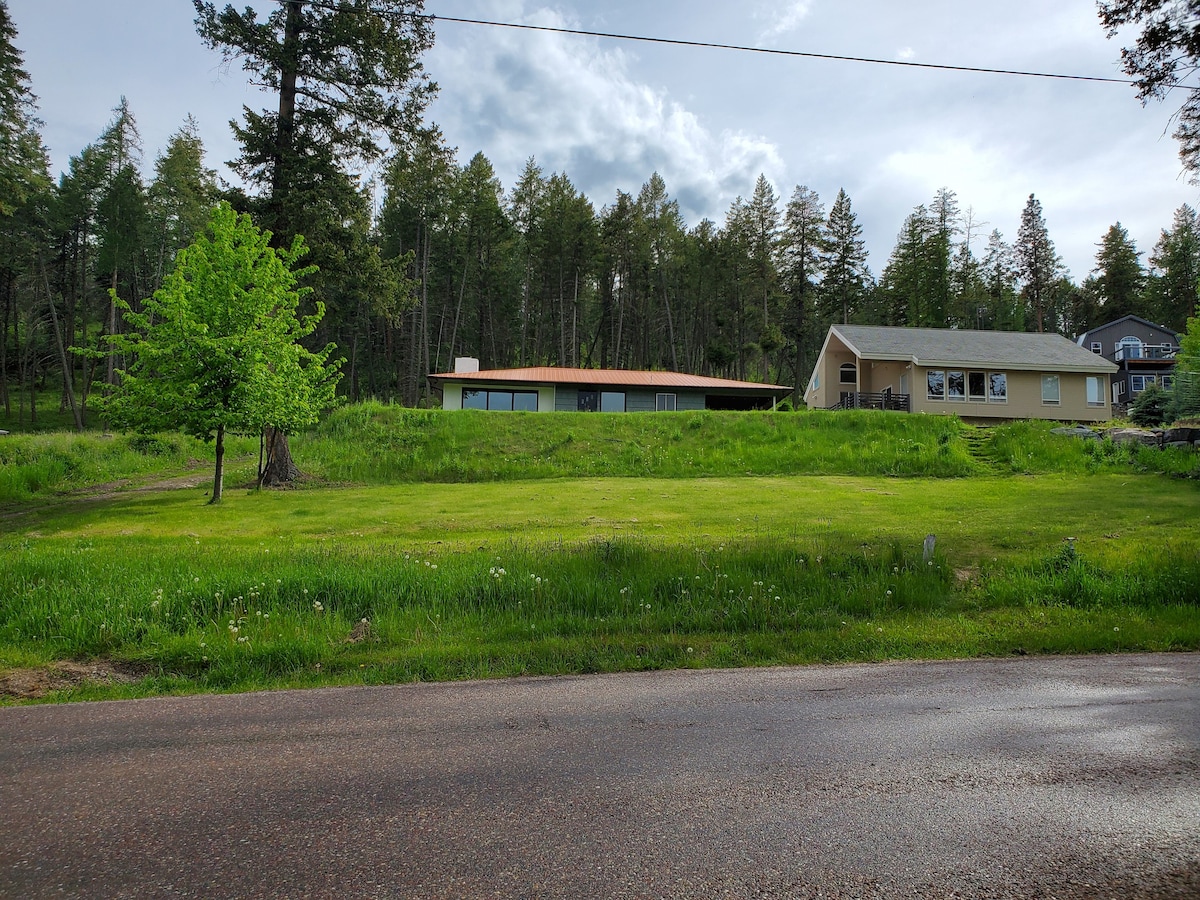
(610, 113)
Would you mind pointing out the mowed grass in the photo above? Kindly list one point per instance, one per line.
(432, 581)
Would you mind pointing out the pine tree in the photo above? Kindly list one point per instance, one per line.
(847, 278)
(802, 243)
(1038, 265)
(1173, 295)
(181, 197)
(349, 81)
(1119, 276)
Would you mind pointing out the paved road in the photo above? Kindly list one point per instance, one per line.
(1026, 777)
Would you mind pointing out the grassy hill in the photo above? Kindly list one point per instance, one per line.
(433, 545)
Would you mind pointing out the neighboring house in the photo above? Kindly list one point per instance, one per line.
(1143, 352)
(974, 374)
(553, 389)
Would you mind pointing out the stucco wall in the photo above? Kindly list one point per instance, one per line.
(1024, 399)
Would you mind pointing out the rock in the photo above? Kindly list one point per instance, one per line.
(1079, 431)
(1189, 435)
(1132, 436)
(1179, 445)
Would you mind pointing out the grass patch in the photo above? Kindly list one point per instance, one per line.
(431, 582)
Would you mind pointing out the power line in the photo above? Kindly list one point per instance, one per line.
(774, 52)
(709, 45)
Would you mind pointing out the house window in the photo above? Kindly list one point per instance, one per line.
(1167, 381)
(1118, 390)
(956, 386)
(1051, 393)
(664, 402)
(976, 386)
(1138, 383)
(997, 387)
(1095, 390)
(504, 401)
(935, 381)
(589, 401)
(612, 401)
(1097, 347)
(848, 374)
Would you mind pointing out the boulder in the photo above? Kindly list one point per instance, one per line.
(1079, 431)
(1133, 436)
(1190, 435)
(1180, 445)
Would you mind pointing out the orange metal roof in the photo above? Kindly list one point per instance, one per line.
(614, 377)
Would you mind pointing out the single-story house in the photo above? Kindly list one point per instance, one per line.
(555, 389)
(974, 374)
(1143, 352)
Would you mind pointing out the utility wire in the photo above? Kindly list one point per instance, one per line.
(708, 45)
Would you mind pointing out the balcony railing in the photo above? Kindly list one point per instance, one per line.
(1128, 351)
(886, 400)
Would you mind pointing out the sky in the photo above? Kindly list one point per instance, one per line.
(610, 113)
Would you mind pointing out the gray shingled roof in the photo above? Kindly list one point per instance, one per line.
(948, 347)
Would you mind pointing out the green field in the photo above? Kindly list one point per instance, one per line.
(532, 555)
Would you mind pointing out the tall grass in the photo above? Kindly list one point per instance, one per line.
(33, 465)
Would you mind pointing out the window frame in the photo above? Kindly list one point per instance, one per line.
(607, 398)
(1051, 397)
(1098, 382)
(929, 392)
(661, 402)
(992, 396)
(981, 395)
(848, 369)
(961, 395)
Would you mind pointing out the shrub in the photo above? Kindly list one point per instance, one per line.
(1150, 407)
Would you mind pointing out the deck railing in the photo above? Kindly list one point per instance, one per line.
(886, 400)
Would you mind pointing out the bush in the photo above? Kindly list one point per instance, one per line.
(1150, 407)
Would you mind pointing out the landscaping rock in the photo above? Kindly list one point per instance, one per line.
(1188, 435)
(1079, 431)
(1133, 436)
(1180, 445)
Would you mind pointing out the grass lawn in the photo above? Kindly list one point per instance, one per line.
(394, 582)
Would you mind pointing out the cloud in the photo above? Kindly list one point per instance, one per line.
(571, 103)
(906, 54)
(785, 17)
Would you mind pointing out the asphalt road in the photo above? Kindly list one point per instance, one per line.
(1067, 777)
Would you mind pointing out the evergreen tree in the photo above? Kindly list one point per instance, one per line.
(1119, 276)
(1172, 288)
(1038, 266)
(803, 241)
(847, 278)
(181, 197)
(906, 285)
(1003, 310)
(349, 81)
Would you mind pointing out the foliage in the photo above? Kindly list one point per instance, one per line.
(1166, 51)
(217, 348)
(1149, 409)
(1038, 266)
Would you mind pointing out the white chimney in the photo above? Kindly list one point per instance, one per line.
(464, 365)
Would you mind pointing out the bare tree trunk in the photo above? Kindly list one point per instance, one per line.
(280, 468)
(219, 473)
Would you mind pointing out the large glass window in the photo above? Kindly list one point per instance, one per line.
(956, 386)
(502, 401)
(1129, 347)
(935, 380)
(1051, 393)
(612, 401)
(976, 386)
(665, 402)
(1138, 383)
(848, 374)
(1095, 390)
(997, 387)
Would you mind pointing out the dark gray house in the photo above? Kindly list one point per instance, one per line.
(1144, 354)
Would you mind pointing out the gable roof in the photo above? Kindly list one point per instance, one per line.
(933, 347)
(1084, 338)
(608, 377)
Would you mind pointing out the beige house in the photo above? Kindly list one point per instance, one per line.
(973, 374)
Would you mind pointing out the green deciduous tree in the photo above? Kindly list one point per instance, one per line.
(217, 348)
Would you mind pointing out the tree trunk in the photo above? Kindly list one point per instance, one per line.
(280, 469)
(219, 473)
